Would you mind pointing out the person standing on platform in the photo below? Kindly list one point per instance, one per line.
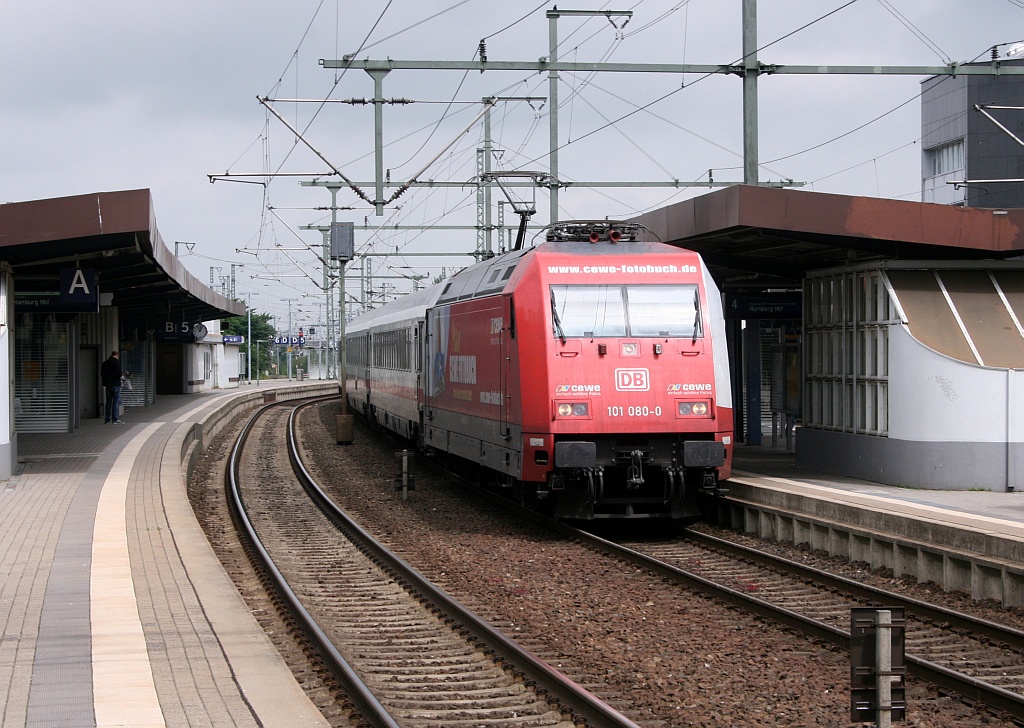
(110, 373)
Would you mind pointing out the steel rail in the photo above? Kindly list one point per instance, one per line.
(969, 687)
(371, 710)
(535, 671)
(997, 633)
(964, 685)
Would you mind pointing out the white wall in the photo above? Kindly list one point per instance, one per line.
(212, 363)
(933, 398)
(8, 435)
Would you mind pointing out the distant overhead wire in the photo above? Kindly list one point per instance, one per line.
(846, 133)
(867, 161)
(658, 19)
(418, 23)
(514, 23)
(323, 104)
(444, 115)
(682, 128)
(295, 53)
(881, 116)
(673, 92)
(915, 30)
(630, 140)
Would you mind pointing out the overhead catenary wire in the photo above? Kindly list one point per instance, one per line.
(918, 33)
(365, 47)
(401, 190)
(352, 185)
(677, 7)
(334, 87)
(705, 76)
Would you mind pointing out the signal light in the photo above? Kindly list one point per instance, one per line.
(614, 235)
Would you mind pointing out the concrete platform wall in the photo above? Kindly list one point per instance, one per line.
(985, 565)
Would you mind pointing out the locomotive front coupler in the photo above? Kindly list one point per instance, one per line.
(635, 473)
(710, 481)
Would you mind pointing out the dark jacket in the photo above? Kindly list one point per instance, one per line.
(110, 372)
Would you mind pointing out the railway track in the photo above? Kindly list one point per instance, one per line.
(405, 652)
(976, 659)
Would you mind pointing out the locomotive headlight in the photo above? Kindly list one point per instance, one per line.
(629, 348)
(693, 409)
(572, 409)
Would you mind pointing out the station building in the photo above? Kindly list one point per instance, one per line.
(892, 331)
(86, 275)
(970, 143)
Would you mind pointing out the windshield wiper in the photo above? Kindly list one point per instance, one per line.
(697, 327)
(554, 317)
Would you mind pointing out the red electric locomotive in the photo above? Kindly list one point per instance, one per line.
(588, 373)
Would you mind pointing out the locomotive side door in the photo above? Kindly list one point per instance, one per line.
(420, 345)
(433, 361)
(505, 365)
(367, 378)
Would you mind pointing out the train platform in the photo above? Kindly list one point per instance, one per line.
(970, 540)
(780, 467)
(113, 607)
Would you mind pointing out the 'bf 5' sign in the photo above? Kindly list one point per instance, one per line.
(632, 380)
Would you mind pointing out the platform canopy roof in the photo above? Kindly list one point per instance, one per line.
(115, 234)
(763, 237)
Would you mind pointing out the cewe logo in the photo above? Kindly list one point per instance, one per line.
(632, 380)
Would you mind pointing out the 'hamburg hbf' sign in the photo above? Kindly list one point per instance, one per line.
(74, 292)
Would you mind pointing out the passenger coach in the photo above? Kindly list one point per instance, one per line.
(589, 373)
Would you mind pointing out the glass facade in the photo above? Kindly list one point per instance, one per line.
(946, 158)
(846, 330)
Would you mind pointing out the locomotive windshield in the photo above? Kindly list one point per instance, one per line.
(633, 311)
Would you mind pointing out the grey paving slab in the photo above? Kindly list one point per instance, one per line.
(205, 651)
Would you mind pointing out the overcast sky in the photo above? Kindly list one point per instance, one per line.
(112, 95)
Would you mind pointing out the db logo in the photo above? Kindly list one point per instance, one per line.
(632, 380)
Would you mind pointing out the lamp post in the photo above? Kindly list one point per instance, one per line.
(248, 341)
(269, 341)
(248, 336)
(342, 253)
(289, 301)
